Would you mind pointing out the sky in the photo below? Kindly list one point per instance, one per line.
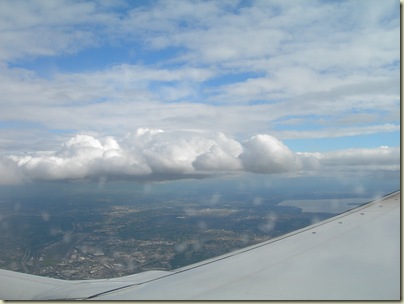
(167, 90)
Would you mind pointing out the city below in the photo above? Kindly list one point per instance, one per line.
(103, 235)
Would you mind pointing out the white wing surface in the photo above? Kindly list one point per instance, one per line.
(353, 256)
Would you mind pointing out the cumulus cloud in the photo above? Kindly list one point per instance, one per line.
(264, 153)
(223, 155)
(154, 154)
(81, 157)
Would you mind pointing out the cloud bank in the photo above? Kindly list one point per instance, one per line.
(153, 154)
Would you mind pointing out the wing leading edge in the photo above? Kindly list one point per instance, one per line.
(353, 256)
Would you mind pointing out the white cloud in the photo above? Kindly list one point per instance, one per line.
(303, 59)
(264, 153)
(151, 154)
(81, 157)
(343, 35)
(223, 155)
(339, 132)
(49, 28)
(126, 96)
(382, 158)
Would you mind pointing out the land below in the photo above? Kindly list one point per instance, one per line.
(82, 236)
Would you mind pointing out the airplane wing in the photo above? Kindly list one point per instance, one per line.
(352, 256)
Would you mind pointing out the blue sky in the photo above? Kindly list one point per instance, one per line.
(171, 89)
